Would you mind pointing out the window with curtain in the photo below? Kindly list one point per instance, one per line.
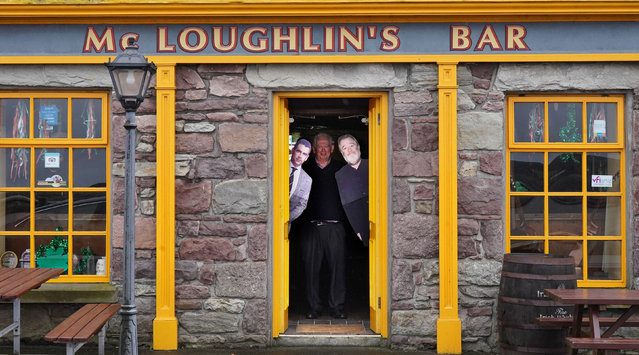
(565, 168)
(54, 183)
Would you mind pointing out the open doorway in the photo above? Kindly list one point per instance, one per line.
(365, 116)
(333, 116)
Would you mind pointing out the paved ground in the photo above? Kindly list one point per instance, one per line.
(89, 349)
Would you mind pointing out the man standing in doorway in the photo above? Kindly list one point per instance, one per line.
(352, 181)
(324, 237)
(299, 183)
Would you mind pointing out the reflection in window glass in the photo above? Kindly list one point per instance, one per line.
(604, 216)
(93, 171)
(573, 248)
(14, 211)
(604, 262)
(89, 256)
(14, 167)
(529, 122)
(526, 215)
(52, 211)
(602, 122)
(564, 122)
(564, 172)
(527, 246)
(52, 251)
(89, 211)
(565, 215)
(51, 117)
(527, 172)
(14, 118)
(603, 172)
(52, 167)
(87, 118)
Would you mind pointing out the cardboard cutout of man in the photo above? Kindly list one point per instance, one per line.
(299, 182)
(352, 181)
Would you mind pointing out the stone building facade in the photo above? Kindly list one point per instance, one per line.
(223, 186)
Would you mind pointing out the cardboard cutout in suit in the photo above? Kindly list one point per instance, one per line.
(299, 197)
(353, 192)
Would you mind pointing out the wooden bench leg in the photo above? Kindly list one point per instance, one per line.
(16, 330)
(101, 336)
(73, 347)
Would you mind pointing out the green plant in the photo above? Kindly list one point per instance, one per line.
(87, 254)
(569, 132)
(54, 244)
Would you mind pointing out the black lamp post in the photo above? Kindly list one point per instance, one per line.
(131, 74)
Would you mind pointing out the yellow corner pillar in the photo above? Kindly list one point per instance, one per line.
(448, 323)
(165, 322)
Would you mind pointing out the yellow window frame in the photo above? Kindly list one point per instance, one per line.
(34, 143)
(584, 148)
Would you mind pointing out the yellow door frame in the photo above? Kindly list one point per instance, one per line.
(378, 214)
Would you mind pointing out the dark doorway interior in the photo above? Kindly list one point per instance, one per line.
(335, 116)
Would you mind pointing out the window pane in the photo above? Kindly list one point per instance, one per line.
(604, 260)
(19, 244)
(87, 118)
(52, 251)
(14, 211)
(527, 172)
(87, 253)
(602, 122)
(564, 172)
(604, 215)
(527, 246)
(15, 167)
(89, 211)
(526, 215)
(572, 248)
(14, 118)
(603, 172)
(529, 122)
(51, 116)
(52, 211)
(565, 215)
(90, 167)
(564, 122)
(51, 167)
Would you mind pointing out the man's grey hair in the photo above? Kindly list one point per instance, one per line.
(344, 136)
(322, 135)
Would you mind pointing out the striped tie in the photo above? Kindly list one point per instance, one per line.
(291, 178)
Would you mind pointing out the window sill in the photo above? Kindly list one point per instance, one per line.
(72, 293)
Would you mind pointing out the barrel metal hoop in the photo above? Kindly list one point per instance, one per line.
(519, 325)
(534, 350)
(516, 275)
(530, 302)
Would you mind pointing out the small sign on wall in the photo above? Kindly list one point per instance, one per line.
(601, 181)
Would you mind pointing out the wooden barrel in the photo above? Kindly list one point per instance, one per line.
(521, 300)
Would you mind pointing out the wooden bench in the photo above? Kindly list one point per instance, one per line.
(612, 344)
(82, 325)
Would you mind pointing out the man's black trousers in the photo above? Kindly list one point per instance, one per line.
(325, 242)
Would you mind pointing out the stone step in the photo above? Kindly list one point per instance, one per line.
(374, 340)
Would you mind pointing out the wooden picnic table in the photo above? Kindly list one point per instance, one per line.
(15, 282)
(594, 300)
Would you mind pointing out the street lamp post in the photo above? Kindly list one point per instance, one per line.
(131, 74)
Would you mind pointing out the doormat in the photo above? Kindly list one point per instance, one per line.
(331, 328)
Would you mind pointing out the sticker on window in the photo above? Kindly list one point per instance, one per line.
(601, 181)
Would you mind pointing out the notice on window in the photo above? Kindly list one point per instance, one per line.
(601, 181)
(49, 114)
(599, 128)
(52, 160)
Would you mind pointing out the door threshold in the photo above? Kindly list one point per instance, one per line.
(330, 336)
